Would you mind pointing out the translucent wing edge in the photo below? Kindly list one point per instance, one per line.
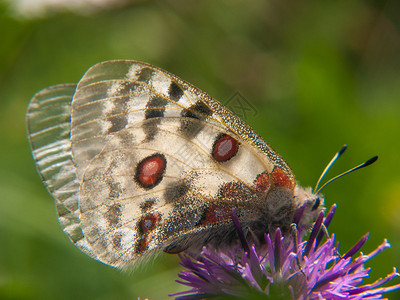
(48, 121)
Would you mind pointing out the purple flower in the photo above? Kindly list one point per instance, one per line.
(273, 272)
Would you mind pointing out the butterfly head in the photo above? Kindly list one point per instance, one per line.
(310, 204)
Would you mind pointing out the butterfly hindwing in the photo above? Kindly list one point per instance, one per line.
(117, 199)
(49, 127)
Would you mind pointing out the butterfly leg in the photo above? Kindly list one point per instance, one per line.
(325, 230)
(326, 234)
(253, 236)
(293, 226)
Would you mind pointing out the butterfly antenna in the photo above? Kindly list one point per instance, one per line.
(367, 163)
(329, 165)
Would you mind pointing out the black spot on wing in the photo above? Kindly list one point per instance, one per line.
(114, 189)
(117, 239)
(117, 116)
(150, 128)
(174, 91)
(155, 107)
(145, 74)
(113, 214)
(117, 123)
(147, 204)
(127, 139)
(198, 111)
(126, 88)
(154, 113)
(186, 213)
(189, 128)
(174, 192)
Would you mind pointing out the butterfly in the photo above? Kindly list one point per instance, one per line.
(140, 161)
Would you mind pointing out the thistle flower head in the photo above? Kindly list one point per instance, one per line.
(283, 270)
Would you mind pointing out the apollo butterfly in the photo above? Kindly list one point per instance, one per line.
(140, 161)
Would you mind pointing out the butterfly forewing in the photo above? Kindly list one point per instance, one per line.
(117, 94)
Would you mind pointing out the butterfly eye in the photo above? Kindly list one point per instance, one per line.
(316, 204)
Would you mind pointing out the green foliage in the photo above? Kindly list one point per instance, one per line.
(319, 73)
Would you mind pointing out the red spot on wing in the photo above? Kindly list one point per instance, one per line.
(215, 213)
(149, 222)
(150, 170)
(145, 227)
(143, 243)
(279, 178)
(262, 182)
(225, 147)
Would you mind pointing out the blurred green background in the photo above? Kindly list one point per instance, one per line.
(318, 73)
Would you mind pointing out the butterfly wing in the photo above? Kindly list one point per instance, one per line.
(49, 127)
(156, 161)
(102, 106)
